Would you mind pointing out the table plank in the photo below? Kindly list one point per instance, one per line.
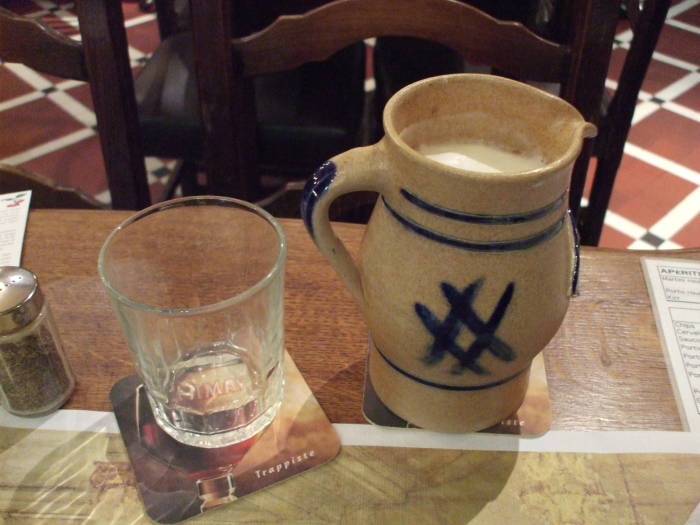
(605, 367)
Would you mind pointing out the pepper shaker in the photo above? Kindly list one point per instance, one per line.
(35, 378)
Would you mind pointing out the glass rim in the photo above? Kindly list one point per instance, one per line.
(189, 201)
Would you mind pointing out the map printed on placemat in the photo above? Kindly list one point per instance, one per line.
(533, 418)
(177, 481)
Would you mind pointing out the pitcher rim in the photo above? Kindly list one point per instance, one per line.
(584, 129)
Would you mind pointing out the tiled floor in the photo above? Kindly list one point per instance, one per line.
(47, 126)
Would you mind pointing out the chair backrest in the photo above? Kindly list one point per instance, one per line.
(45, 192)
(578, 62)
(101, 59)
(477, 36)
(646, 25)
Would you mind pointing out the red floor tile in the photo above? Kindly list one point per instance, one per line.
(622, 26)
(51, 78)
(131, 10)
(689, 235)
(12, 86)
(669, 135)
(369, 62)
(660, 75)
(82, 94)
(58, 24)
(617, 59)
(79, 165)
(32, 124)
(690, 99)
(144, 37)
(611, 238)
(156, 190)
(679, 43)
(644, 193)
(690, 16)
(592, 163)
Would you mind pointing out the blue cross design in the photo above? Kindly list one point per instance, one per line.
(462, 314)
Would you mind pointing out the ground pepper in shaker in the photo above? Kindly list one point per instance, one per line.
(35, 378)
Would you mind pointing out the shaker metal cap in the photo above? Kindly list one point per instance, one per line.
(21, 299)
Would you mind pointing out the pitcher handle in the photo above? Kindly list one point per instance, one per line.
(359, 169)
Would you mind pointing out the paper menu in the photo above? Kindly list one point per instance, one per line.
(674, 288)
(14, 208)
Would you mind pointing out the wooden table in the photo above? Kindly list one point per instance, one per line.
(605, 368)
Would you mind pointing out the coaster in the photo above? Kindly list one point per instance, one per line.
(533, 418)
(177, 481)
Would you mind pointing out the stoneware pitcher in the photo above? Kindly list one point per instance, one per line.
(463, 276)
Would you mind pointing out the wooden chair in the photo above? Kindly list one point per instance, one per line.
(616, 119)
(45, 192)
(578, 62)
(101, 59)
(296, 122)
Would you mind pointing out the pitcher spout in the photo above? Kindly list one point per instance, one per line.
(587, 130)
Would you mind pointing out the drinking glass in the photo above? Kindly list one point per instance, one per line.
(197, 286)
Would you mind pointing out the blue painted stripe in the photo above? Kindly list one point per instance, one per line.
(442, 386)
(495, 246)
(477, 218)
(315, 188)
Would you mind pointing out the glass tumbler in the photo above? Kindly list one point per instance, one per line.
(197, 285)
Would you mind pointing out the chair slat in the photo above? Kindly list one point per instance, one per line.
(34, 44)
(296, 39)
(45, 192)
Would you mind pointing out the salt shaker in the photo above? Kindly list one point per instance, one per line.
(35, 378)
